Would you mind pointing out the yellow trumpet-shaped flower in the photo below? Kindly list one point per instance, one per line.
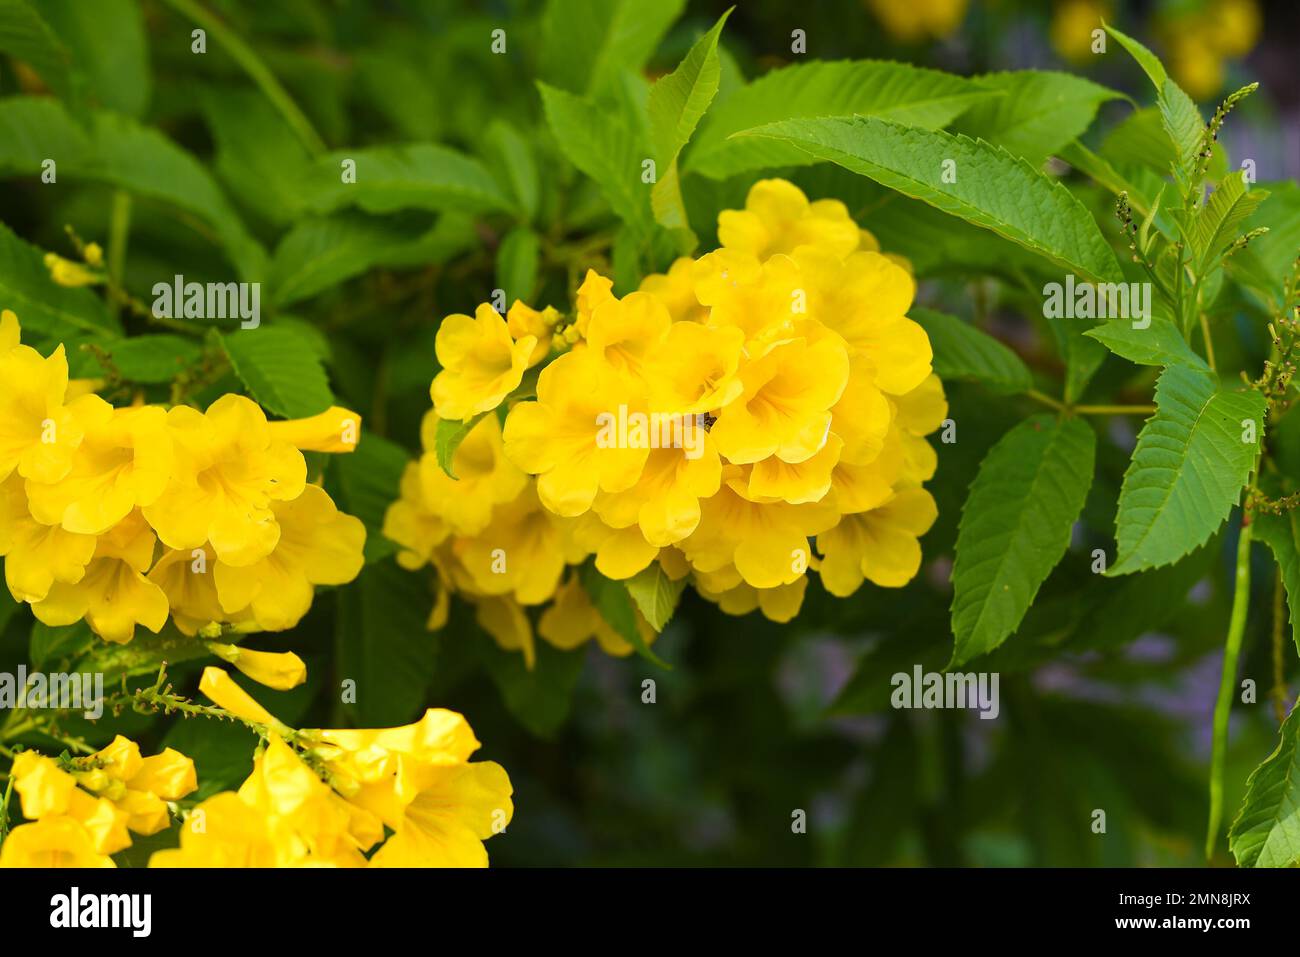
(124, 461)
(65, 272)
(280, 670)
(317, 545)
(334, 430)
(221, 688)
(676, 290)
(52, 842)
(880, 545)
(36, 555)
(523, 320)
(572, 620)
(229, 469)
(559, 437)
(485, 477)
(412, 522)
(223, 831)
(38, 432)
(113, 595)
(186, 578)
(778, 218)
(481, 363)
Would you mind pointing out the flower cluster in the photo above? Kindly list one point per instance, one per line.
(81, 810)
(122, 515)
(391, 797)
(718, 421)
(326, 798)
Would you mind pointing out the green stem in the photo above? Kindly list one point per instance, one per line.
(119, 229)
(1228, 682)
(243, 54)
(1114, 409)
(1046, 399)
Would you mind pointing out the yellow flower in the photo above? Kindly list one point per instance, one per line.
(280, 670)
(36, 555)
(696, 369)
(223, 831)
(522, 321)
(760, 299)
(1072, 24)
(484, 478)
(412, 523)
(572, 620)
(594, 291)
(318, 545)
(911, 21)
(113, 595)
(785, 408)
(229, 468)
(780, 604)
(778, 218)
(138, 786)
(124, 461)
(767, 542)
(502, 617)
(481, 364)
(221, 688)
(664, 504)
(559, 439)
(865, 299)
(52, 842)
(38, 432)
(334, 430)
(676, 290)
(624, 333)
(185, 577)
(880, 545)
(65, 272)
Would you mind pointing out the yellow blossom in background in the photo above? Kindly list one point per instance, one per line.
(1073, 23)
(910, 21)
(1202, 38)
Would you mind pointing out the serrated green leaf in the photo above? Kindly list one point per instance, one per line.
(676, 104)
(614, 602)
(655, 594)
(1039, 113)
(153, 358)
(1159, 344)
(414, 176)
(1220, 221)
(518, 260)
(259, 158)
(963, 352)
(1188, 469)
(44, 308)
(539, 697)
(1281, 533)
(601, 145)
(992, 188)
(27, 36)
(1266, 832)
(511, 157)
(586, 43)
(1015, 526)
(913, 96)
(281, 369)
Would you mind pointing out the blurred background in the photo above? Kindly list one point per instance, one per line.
(1106, 691)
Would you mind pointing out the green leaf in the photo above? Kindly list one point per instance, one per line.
(153, 358)
(1262, 265)
(1015, 526)
(1266, 832)
(511, 156)
(447, 439)
(1281, 533)
(27, 36)
(963, 352)
(518, 260)
(601, 145)
(540, 697)
(1039, 113)
(1083, 356)
(655, 594)
(370, 478)
(677, 102)
(384, 646)
(586, 43)
(1188, 469)
(61, 645)
(415, 176)
(1220, 222)
(121, 152)
(1159, 344)
(614, 602)
(322, 251)
(259, 158)
(993, 189)
(108, 45)
(912, 96)
(281, 369)
(44, 308)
